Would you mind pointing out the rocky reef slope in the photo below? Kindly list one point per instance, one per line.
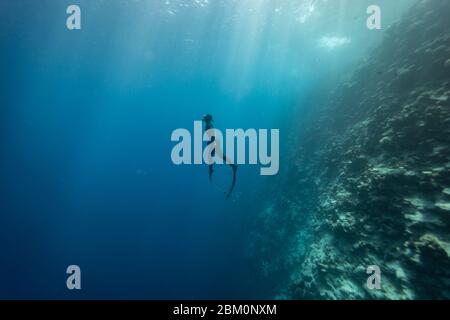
(370, 184)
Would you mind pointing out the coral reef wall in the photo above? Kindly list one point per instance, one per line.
(369, 183)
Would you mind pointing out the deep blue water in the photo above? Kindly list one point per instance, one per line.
(85, 124)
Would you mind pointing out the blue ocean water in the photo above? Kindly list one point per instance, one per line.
(85, 122)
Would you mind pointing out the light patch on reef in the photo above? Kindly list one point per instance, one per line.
(443, 205)
(332, 43)
(432, 240)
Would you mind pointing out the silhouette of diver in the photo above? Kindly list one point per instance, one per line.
(208, 120)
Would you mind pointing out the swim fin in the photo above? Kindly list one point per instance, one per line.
(233, 183)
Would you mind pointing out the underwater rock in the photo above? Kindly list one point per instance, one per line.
(371, 181)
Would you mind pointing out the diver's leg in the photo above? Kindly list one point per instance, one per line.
(211, 170)
(229, 162)
(233, 182)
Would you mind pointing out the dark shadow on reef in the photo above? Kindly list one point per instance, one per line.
(370, 184)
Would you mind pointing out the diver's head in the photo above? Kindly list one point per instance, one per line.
(207, 118)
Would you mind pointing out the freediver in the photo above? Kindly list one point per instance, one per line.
(209, 124)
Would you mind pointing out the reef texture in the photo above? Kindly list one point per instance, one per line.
(370, 181)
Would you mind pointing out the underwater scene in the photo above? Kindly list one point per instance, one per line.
(225, 149)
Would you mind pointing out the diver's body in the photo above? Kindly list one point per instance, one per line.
(208, 120)
(208, 126)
